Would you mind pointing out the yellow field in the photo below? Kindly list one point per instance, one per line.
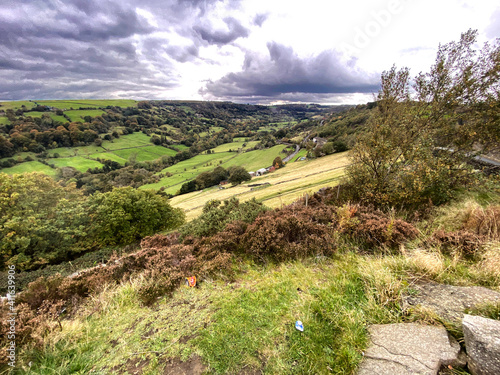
(286, 185)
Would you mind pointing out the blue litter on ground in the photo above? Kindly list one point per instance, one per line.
(299, 326)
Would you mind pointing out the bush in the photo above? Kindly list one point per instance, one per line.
(216, 215)
(464, 243)
(125, 215)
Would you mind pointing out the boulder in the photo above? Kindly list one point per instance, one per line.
(408, 348)
(482, 343)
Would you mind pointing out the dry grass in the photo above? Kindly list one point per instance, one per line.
(286, 185)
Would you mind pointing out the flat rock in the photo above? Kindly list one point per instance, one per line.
(482, 342)
(408, 348)
(448, 301)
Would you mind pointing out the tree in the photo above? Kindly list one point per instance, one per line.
(278, 163)
(125, 215)
(237, 175)
(41, 222)
(416, 146)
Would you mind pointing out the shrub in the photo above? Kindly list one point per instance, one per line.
(484, 222)
(467, 244)
(216, 215)
(291, 233)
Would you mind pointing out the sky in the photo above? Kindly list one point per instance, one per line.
(244, 51)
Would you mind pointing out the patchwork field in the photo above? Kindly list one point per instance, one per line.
(285, 185)
(189, 169)
(68, 104)
(135, 145)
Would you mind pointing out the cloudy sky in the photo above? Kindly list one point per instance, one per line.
(247, 51)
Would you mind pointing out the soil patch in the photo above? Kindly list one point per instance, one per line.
(193, 366)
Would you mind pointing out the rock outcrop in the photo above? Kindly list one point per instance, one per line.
(482, 342)
(409, 348)
(449, 301)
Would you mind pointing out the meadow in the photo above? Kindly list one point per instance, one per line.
(84, 103)
(78, 162)
(28, 167)
(285, 185)
(135, 146)
(188, 169)
(78, 115)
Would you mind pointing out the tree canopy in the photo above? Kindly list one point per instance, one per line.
(421, 135)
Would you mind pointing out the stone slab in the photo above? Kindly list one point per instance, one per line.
(408, 349)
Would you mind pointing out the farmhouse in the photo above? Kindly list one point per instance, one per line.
(261, 171)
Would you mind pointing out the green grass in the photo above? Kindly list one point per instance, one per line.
(254, 160)
(301, 153)
(29, 166)
(75, 151)
(109, 156)
(4, 120)
(16, 105)
(144, 153)
(127, 141)
(78, 115)
(52, 115)
(247, 325)
(234, 146)
(78, 162)
(75, 104)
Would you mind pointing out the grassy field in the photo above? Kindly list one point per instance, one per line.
(234, 146)
(285, 185)
(4, 120)
(78, 162)
(189, 169)
(254, 160)
(75, 104)
(29, 166)
(51, 114)
(16, 105)
(119, 150)
(78, 115)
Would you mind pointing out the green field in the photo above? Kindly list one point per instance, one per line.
(53, 116)
(75, 104)
(285, 185)
(234, 146)
(301, 153)
(4, 120)
(109, 156)
(29, 166)
(78, 162)
(16, 105)
(144, 153)
(189, 169)
(78, 115)
(254, 160)
(65, 152)
(127, 141)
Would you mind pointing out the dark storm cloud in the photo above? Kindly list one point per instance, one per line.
(91, 48)
(235, 31)
(283, 74)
